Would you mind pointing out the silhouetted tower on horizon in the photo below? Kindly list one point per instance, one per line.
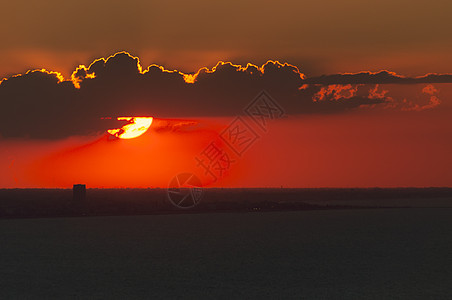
(79, 193)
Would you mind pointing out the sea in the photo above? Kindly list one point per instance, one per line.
(395, 253)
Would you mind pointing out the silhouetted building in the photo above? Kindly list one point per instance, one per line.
(79, 192)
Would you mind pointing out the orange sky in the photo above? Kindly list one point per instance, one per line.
(374, 148)
(404, 141)
(350, 135)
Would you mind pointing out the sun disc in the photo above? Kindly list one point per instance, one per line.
(136, 126)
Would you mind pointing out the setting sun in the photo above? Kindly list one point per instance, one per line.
(135, 127)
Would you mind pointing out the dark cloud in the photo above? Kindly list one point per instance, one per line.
(40, 104)
(382, 77)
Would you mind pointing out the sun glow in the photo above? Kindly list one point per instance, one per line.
(135, 127)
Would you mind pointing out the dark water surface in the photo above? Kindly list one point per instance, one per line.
(335, 254)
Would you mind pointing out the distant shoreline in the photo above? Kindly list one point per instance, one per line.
(49, 203)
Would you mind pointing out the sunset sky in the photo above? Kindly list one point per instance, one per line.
(242, 93)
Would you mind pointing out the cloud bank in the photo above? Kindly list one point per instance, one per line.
(42, 104)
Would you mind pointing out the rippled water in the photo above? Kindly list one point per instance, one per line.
(336, 254)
